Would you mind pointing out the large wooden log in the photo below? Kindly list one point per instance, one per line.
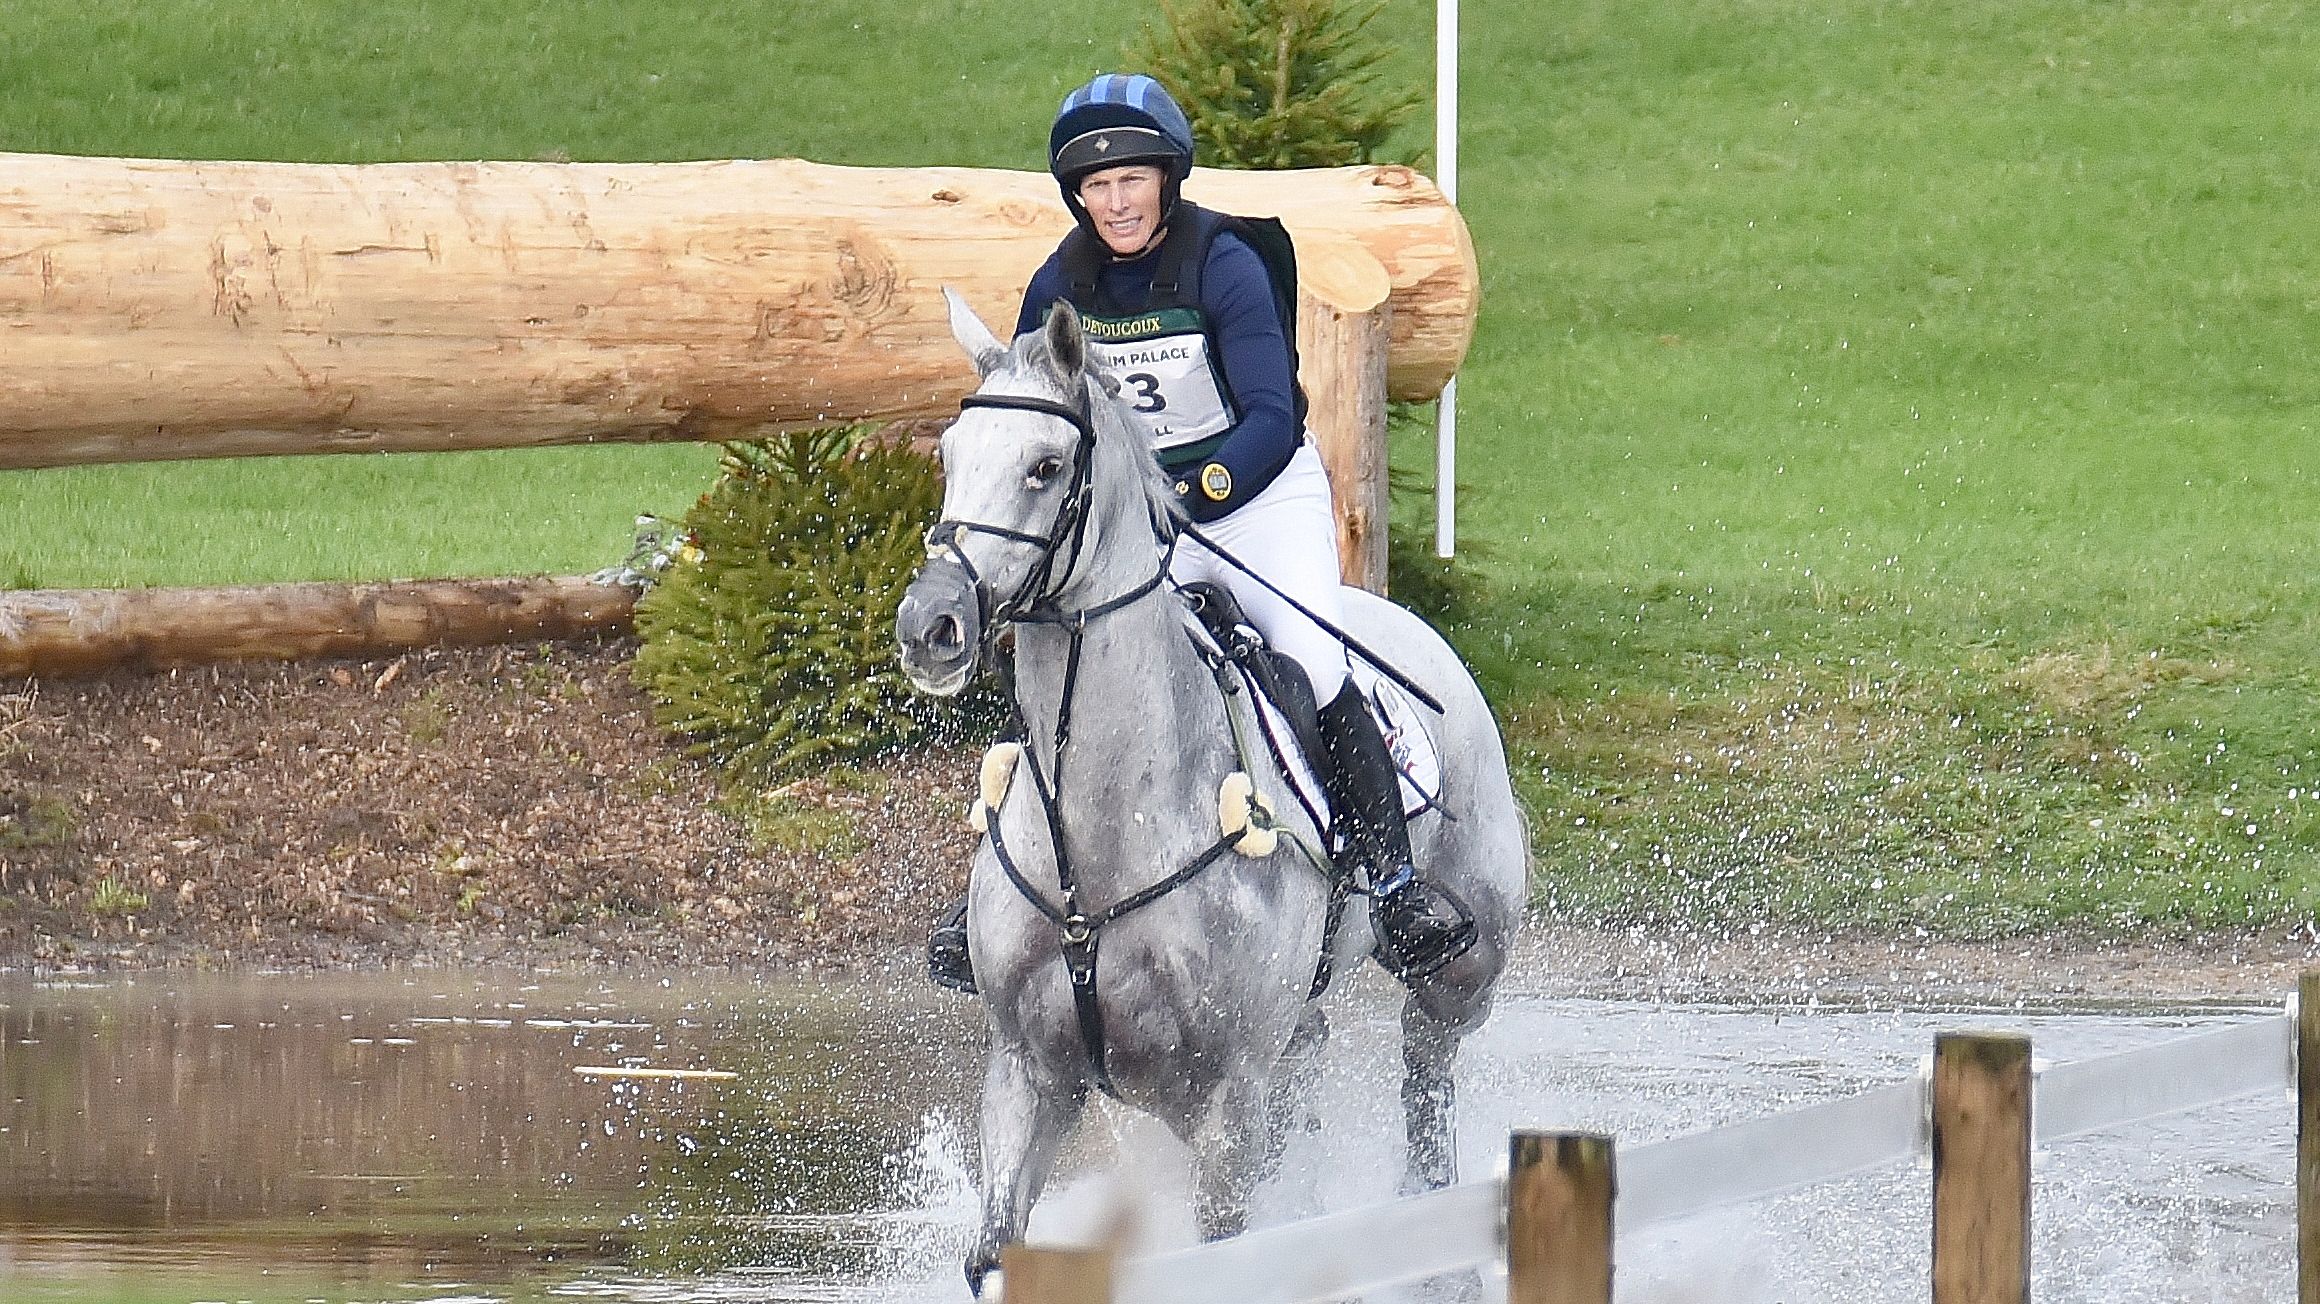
(153, 310)
(56, 633)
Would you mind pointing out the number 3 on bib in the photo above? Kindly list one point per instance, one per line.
(1148, 395)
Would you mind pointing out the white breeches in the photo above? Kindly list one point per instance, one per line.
(1288, 534)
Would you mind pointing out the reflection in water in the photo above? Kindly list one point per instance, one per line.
(387, 1136)
(397, 1138)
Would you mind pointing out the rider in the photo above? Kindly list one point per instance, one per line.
(1182, 310)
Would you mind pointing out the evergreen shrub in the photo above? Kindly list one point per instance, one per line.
(1275, 83)
(768, 640)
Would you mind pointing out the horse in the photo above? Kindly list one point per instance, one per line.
(1203, 1010)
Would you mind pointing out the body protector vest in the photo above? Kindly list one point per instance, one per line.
(1165, 354)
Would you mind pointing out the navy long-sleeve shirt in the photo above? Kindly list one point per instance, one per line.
(1236, 298)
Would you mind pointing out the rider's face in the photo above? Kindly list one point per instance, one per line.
(1125, 203)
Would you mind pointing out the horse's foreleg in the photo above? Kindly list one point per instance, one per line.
(1289, 1097)
(1230, 1156)
(1429, 1100)
(1026, 1115)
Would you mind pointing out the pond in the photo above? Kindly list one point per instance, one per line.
(430, 1137)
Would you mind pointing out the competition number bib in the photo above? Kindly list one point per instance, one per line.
(1166, 377)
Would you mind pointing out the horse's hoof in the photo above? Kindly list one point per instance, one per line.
(979, 1270)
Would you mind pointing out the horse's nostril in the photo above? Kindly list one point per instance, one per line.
(946, 633)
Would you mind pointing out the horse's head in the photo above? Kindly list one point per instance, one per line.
(1035, 469)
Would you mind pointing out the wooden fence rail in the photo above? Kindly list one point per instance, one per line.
(52, 633)
(1550, 1222)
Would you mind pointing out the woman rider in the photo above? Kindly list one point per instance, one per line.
(1181, 310)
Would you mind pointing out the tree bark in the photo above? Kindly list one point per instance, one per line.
(152, 310)
(56, 633)
(1343, 355)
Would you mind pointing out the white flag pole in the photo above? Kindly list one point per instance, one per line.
(1446, 175)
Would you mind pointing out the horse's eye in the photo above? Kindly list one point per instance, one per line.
(1047, 469)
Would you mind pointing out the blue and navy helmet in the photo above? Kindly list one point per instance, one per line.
(1116, 119)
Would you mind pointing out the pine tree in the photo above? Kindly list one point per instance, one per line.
(1275, 83)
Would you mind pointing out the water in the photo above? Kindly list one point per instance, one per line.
(424, 1138)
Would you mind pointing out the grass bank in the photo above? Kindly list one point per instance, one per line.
(1890, 430)
(1912, 522)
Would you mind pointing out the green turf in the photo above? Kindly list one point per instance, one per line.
(1891, 430)
(920, 83)
(1889, 434)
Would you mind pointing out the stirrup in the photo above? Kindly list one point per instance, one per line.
(1420, 928)
(948, 964)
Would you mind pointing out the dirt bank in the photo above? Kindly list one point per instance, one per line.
(482, 805)
(516, 806)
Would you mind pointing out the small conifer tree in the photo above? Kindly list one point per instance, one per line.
(769, 641)
(1275, 83)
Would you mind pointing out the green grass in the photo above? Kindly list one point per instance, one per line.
(968, 82)
(929, 83)
(1890, 429)
(380, 516)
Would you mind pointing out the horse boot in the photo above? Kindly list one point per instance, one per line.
(1420, 928)
(947, 962)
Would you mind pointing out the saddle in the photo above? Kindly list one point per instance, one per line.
(1289, 717)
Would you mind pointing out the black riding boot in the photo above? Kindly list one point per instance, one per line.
(1420, 928)
(946, 951)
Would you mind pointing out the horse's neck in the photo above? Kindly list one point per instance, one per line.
(1143, 702)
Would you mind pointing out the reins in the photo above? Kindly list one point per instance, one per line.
(1079, 929)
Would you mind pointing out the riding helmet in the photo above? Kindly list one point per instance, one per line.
(1115, 119)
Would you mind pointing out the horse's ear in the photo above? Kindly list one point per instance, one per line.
(1067, 341)
(973, 336)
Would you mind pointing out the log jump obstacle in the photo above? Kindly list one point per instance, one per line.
(156, 310)
(1976, 1107)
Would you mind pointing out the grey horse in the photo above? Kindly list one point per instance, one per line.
(1199, 1010)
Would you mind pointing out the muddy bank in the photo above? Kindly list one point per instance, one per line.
(516, 806)
(510, 805)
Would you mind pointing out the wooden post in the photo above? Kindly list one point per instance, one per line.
(2308, 1137)
(1041, 1275)
(1981, 1168)
(1343, 342)
(1559, 1190)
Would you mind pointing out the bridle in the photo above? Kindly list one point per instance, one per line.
(1041, 588)
(1035, 602)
